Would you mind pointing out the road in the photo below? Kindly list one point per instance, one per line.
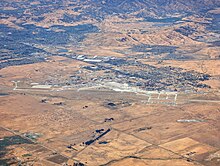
(206, 101)
(16, 84)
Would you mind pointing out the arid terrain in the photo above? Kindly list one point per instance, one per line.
(114, 83)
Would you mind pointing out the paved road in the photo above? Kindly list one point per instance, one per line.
(206, 101)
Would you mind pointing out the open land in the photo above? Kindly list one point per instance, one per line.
(103, 123)
(86, 87)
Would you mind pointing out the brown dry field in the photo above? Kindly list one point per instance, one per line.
(140, 134)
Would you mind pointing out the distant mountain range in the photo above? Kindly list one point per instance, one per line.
(143, 8)
(99, 9)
